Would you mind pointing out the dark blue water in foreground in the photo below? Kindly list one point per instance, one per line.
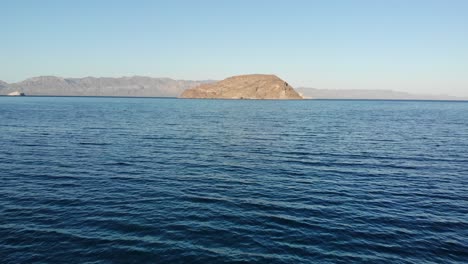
(121, 180)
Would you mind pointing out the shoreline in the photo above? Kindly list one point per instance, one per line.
(226, 99)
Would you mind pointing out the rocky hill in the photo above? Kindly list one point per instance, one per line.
(91, 86)
(254, 86)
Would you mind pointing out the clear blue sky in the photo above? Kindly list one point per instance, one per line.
(418, 46)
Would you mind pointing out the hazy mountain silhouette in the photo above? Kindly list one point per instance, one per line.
(370, 94)
(166, 87)
(103, 86)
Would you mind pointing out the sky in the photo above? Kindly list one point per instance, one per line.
(417, 46)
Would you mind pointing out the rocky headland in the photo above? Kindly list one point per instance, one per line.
(253, 86)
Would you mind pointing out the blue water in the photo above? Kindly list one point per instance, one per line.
(146, 180)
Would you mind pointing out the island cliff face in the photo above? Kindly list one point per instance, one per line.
(254, 86)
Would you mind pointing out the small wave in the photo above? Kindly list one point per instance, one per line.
(93, 144)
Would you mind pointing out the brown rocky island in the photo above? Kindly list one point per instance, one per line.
(253, 86)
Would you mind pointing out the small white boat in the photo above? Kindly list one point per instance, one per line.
(16, 93)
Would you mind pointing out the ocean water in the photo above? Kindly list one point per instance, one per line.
(147, 180)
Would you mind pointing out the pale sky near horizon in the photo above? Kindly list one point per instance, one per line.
(417, 46)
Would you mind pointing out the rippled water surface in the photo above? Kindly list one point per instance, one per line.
(122, 180)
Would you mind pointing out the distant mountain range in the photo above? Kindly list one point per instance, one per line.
(166, 87)
(3, 85)
(91, 86)
(370, 94)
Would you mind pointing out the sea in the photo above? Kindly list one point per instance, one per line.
(161, 180)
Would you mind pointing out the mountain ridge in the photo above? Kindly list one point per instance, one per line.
(141, 86)
(316, 93)
(144, 86)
